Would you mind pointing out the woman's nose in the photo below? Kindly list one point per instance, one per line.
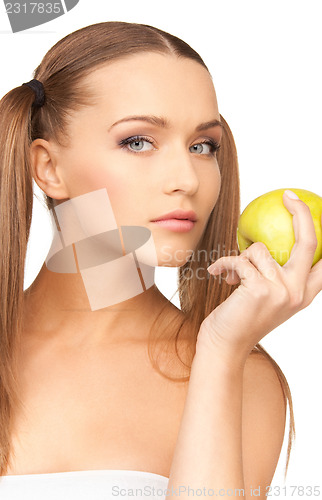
(180, 171)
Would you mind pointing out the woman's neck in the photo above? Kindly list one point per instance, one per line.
(56, 304)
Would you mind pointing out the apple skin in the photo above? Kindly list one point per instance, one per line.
(266, 219)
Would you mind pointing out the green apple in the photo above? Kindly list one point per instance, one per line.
(266, 219)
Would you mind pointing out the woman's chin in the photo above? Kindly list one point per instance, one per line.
(169, 256)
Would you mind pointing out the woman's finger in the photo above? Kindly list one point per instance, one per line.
(301, 258)
(239, 265)
(259, 256)
(232, 278)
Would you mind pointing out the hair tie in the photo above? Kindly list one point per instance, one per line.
(39, 91)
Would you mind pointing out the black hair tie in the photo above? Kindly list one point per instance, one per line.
(39, 91)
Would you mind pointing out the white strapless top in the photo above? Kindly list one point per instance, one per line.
(85, 485)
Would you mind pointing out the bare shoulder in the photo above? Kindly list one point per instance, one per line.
(262, 390)
(263, 421)
(259, 370)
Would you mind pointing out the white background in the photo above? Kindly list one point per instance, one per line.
(265, 59)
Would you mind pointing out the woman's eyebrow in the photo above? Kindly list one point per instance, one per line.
(162, 122)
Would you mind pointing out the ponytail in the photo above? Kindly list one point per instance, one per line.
(16, 197)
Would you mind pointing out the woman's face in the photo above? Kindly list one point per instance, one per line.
(149, 166)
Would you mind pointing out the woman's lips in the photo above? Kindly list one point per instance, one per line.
(178, 225)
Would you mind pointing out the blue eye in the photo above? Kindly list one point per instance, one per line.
(136, 143)
(205, 147)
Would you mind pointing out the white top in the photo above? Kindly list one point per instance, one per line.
(85, 485)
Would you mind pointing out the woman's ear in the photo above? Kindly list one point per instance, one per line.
(44, 164)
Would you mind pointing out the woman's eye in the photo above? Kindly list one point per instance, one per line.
(137, 144)
(203, 148)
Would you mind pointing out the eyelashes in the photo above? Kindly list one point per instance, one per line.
(214, 146)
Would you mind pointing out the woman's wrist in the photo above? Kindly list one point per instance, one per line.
(224, 356)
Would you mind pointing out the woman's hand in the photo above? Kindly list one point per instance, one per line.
(269, 294)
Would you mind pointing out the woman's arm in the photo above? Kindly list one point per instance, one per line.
(208, 452)
(232, 428)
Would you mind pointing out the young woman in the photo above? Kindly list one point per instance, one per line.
(119, 127)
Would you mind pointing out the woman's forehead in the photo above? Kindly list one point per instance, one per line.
(152, 83)
(141, 70)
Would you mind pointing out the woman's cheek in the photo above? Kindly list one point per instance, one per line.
(211, 189)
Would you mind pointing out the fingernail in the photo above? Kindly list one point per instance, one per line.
(291, 194)
(213, 270)
(210, 268)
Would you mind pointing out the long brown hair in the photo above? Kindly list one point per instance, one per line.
(62, 71)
